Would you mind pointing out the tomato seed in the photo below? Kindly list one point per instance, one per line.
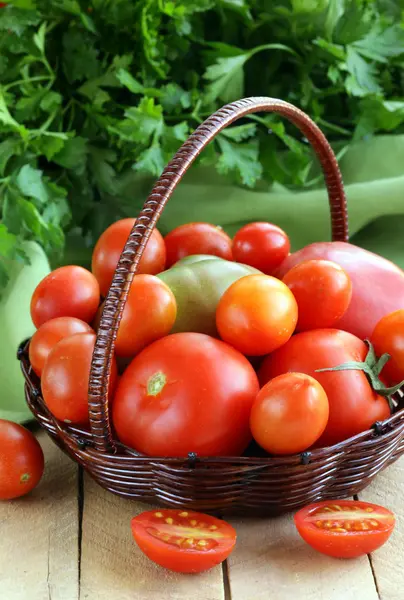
(193, 522)
(213, 527)
(374, 522)
(336, 507)
(319, 524)
(369, 509)
(202, 543)
(338, 530)
(183, 514)
(158, 514)
(169, 520)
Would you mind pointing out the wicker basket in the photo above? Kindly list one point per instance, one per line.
(268, 485)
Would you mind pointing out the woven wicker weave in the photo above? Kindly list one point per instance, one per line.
(268, 485)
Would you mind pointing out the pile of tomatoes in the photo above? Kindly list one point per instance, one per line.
(266, 370)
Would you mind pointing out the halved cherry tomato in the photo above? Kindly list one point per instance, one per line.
(183, 541)
(197, 238)
(323, 291)
(110, 245)
(69, 291)
(345, 528)
(388, 337)
(49, 334)
(261, 245)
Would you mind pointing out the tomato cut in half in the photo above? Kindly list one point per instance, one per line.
(183, 541)
(345, 528)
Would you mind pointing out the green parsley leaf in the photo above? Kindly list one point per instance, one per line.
(241, 159)
(29, 181)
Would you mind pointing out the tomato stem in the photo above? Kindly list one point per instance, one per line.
(372, 367)
(156, 383)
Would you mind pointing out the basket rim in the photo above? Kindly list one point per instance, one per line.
(84, 438)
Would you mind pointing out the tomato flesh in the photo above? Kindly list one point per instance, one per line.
(183, 541)
(345, 528)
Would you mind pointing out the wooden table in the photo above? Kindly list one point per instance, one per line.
(71, 540)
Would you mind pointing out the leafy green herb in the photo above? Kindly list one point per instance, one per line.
(97, 95)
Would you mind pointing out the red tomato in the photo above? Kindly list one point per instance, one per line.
(256, 314)
(65, 378)
(109, 247)
(48, 335)
(289, 414)
(149, 314)
(187, 392)
(345, 528)
(354, 406)
(183, 541)
(3, 4)
(388, 337)
(323, 291)
(21, 460)
(261, 245)
(373, 277)
(197, 238)
(66, 292)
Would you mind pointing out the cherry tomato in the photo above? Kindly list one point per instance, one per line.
(149, 314)
(345, 528)
(182, 540)
(256, 314)
(186, 392)
(323, 291)
(289, 414)
(21, 460)
(388, 337)
(261, 245)
(69, 291)
(65, 378)
(197, 238)
(109, 247)
(354, 406)
(48, 335)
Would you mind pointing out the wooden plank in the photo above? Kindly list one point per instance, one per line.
(387, 489)
(271, 562)
(39, 535)
(112, 566)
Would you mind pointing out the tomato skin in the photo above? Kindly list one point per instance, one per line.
(21, 460)
(48, 335)
(68, 291)
(373, 277)
(197, 238)
(323, 291)
(388, 336)
(345, 544)
(261, 245)
(218, 539)
(186, 392)
(257, 314)
(289, 414)
(109, 247)
(354, 406)
(66, 375)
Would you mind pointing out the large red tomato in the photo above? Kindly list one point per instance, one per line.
(373, 279)
(388, 337)
(21, 460)
(354, 406)
(289, 414)
(109, 247)
(48, 335)
(66, 375)
(261, 245)
(187, 392)
(69, 291)
(197, 238)
(256, 314)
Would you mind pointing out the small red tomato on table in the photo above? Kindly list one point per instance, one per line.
(183, 540)
(344, 528)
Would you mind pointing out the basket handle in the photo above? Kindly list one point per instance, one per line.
(116, 298)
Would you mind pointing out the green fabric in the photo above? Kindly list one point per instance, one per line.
(373, 173)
